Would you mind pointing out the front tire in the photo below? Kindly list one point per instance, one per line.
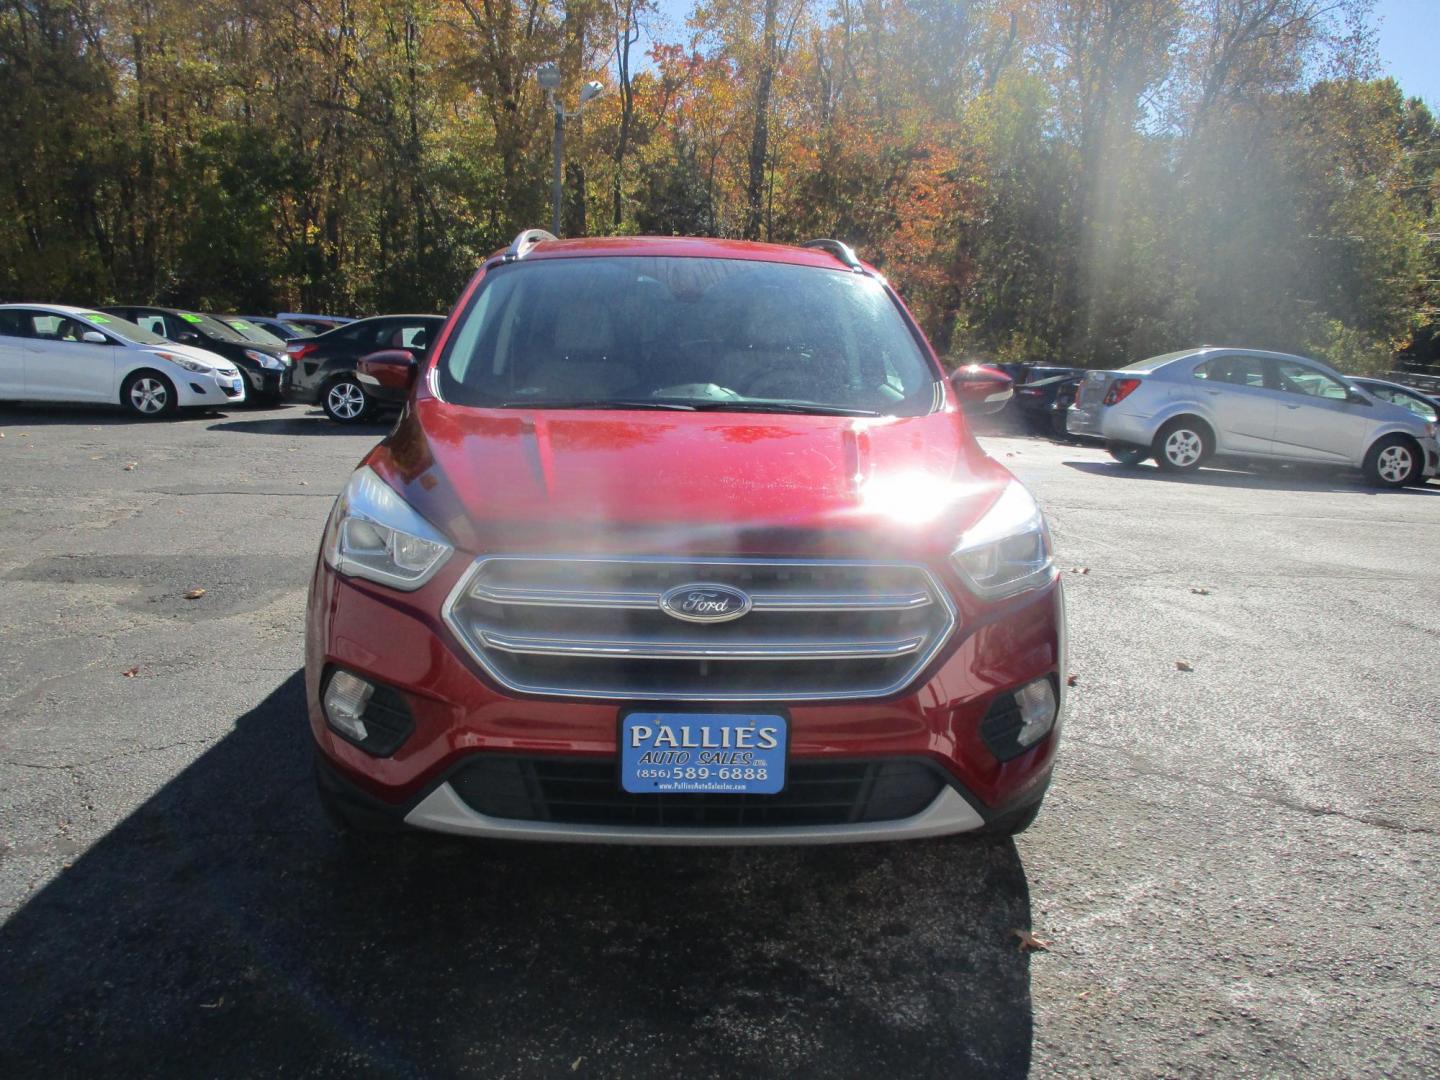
(1393, 462)
(1128, 455)
(1015, 822)
(1181, 446)
(148, 395)
(345, 400)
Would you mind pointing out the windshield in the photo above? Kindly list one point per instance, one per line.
(250, 332)
(722, 334)
(210, 327)
(122, 328)
(298, 330)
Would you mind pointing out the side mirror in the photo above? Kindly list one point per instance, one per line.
(389, 373)
(94, 337)
(982, 390)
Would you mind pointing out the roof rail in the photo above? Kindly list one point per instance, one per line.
(521, 245)
(842, 251)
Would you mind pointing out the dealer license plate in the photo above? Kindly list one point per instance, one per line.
(709, 753)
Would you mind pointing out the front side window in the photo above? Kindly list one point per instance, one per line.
(721, 334)
(1301, 379)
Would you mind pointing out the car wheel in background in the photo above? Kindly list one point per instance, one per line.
(1181, 445)
(148, 395)
(1127, 455)
(345, 400)
(1393, 461)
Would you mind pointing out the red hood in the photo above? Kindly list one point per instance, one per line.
(693, 482)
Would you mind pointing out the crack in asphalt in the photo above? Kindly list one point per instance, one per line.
(1142, 765)
(140, 751)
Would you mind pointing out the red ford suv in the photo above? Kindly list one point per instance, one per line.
(682, 541)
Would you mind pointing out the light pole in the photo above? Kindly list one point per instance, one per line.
(549, 77)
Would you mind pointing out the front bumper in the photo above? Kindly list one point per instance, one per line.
(195, 390)
(1432, 457)
(460, 716)
(265, 382)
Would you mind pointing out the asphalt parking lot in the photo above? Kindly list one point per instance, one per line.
(1236, 869)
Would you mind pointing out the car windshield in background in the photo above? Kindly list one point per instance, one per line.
(250, 332)
(296, 328)
(213, 327)
(674, 332)
(123, 328)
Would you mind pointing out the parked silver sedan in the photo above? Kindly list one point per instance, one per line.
(1183, 408)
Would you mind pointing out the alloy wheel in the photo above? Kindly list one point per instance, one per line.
(149, 396)
(346, 400)
(1394, 464)
(1183, 448)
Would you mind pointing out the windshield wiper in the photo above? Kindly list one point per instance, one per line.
(593, 403)
(811, 408)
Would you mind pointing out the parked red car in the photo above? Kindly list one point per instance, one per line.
(682, 541)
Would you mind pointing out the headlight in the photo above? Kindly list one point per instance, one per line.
(374, 534)
(186, 363)
(1008, 550)
(265, 360)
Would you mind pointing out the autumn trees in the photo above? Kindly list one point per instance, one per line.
(1087, 180)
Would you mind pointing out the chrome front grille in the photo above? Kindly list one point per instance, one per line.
(595, 628)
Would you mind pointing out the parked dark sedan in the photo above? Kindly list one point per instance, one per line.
(316, 324)
(1044, 397)
(284, 330)
(324, 366)
(264, 366)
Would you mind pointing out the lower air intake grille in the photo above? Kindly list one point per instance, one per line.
(586, 791)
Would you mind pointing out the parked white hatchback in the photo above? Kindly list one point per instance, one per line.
(50, 352)
(1183, 408)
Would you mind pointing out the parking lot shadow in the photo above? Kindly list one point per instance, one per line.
(302, 423)
(20, 415)
(1287, 478)
(223, 929)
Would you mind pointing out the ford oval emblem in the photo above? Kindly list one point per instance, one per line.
(705, 603)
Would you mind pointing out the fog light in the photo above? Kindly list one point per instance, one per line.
(345, 701)
(1018, 720)
(1037, 711)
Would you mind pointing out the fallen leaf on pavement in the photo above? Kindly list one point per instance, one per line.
(194, 594)
(130, 673)
(1201, 592)
(130, 466)
(1072, 680)
(1084, 570)
(1183, 665)
(213, 1004)
(575, 1065)
(1029, 941)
